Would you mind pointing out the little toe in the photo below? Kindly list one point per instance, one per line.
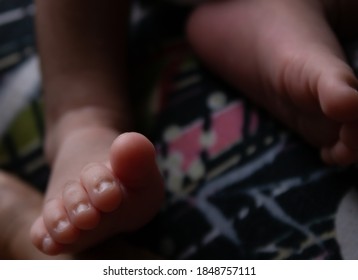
(104, 190)
(80, 210)
(345, 149)
(339, 154)
(58, 224)
(349, 135)
(42, 239)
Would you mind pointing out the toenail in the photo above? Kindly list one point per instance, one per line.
(62, 225)
(104, 186)
(82, 207)
(46, 243)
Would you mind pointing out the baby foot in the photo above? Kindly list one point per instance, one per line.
(284, 55)
(19, 206)
(119, 195)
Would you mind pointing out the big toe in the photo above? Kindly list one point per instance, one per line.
(133, 161)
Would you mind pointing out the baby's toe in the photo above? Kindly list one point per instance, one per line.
(104, 190)
(349, 135)
(42, 239)
(337, 92)
(57, 222)
(338, 154)
(80, 210)
(345, 151)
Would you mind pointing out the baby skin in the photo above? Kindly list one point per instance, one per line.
(103, 181)
(19, 206)
(95, 193)
(282, 53)
(286, 57)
